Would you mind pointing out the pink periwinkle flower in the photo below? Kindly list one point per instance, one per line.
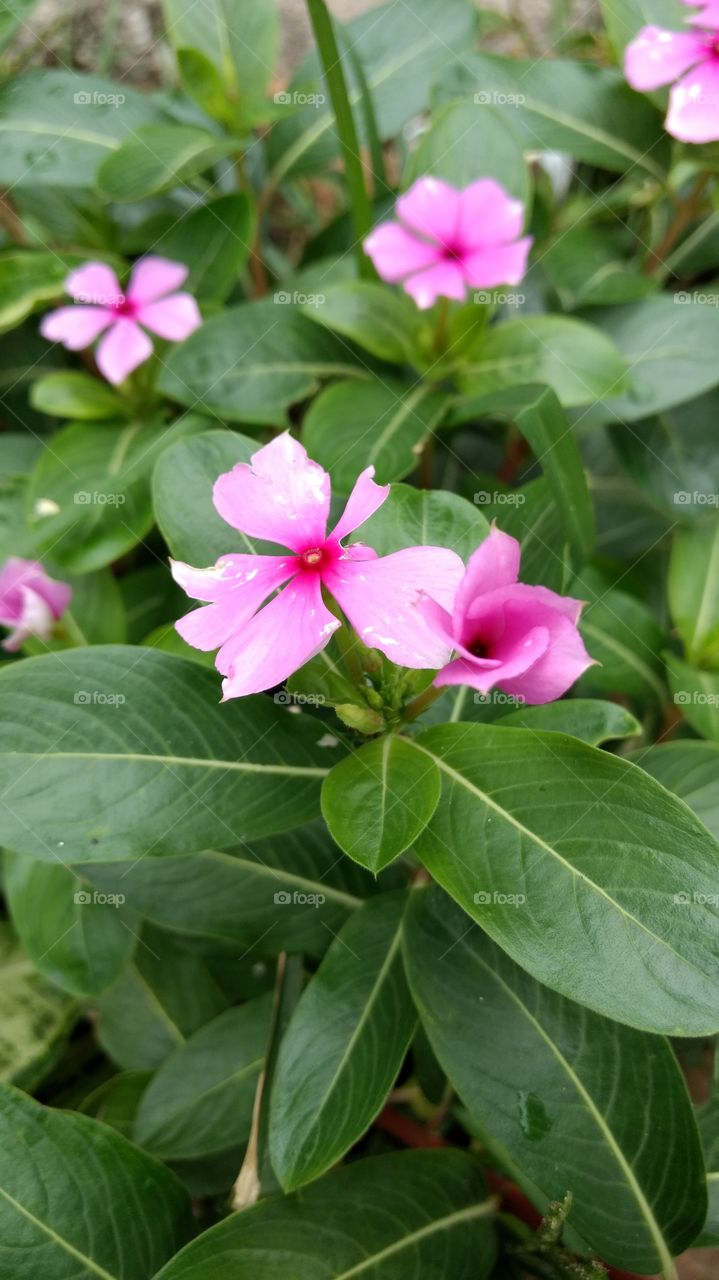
(30, 601)
(151, 302)
(689, 61)
(522, 639)
(447, 241)
(282, 496)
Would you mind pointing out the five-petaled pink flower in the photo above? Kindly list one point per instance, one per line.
(689, 60)
(151, 301)
(30, 601)
(447, 241)
(284, 497)
(523, 639)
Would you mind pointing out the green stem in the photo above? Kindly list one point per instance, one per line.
(72, 629)
(346, 131)
(421, 703)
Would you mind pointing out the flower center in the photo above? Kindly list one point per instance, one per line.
(313, 557)
(123, 306)
(479, 648)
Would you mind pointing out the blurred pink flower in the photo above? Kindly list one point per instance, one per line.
(689, 61)
(30, 601)
(447, 241)
(523, 639)
(284, 497)
(151, 301)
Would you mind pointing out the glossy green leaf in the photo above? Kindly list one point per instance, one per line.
(623, 18)
(470, 138)
(623, 637)
(115, 1101)
(352, 425)
(378, 799)
(691, 770)
(671, 458)
(575, 359)
(382, 321)
(76, 1199)
(76, 395)
(80, 939)
(588, 266)
(693, 588)
(182, 496)
(215, 241)
(254, 361)
(28, 280)
(696, 695)
(169, 770)
(590, 720)
(424, 517)
(533, 829)
(158, 157)
(579, 1102)
(200, 1101)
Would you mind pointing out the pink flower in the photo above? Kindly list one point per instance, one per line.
(150, 301)
(282, 496)
(30, 601)
(523, 639)
(690, 59)
(447, 241)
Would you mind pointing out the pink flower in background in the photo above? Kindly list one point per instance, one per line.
(30, 601)
(284, 497)
(523, 639)
(150, 302)
(447, 241)
(689, 61)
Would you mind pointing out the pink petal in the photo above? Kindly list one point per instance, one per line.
(365, 498)
(564, 662)
(237, 586)
(693, 114)
(503, 264)
(94, 284)
(75, 327)
(708, 15)
(36, 619)
(153, 277)
(395, 252)
(124, 348)
(432, 208)
(279, 640)
(281, 495)
(30, 600)
(488, 215)
(656, 57)
(174, 318)
(485, 673)
(494, 564)
(380, 598)
(445, 280)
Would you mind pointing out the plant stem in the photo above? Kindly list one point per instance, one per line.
(686, 212)
(421, 703)
(346, 131)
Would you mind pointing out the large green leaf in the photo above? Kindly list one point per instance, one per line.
(168, 770)
(215, 241)
(691, 770)
(696, 694)
(623, 18)
(82, 940)
(34, 1015)
(593, 721)
(582, 1104)
(98, 475)
(200, 1101)
(57, 127)
(573, 357)
(693, 587)
(29, 279)
(623, 636)
(412, 1213)
(182, 495)
(588, 266)
(378, 799)
(383, 322)
(254, 361)
(77, 1200)
(572, 860)
(424, 517)
(467, 139)
(239, 36)
(158, 157)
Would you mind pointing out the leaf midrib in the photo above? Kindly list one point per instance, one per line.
(57, 1239)
(481, 1210)
(240, 766)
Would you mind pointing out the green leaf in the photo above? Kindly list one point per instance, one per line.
(693, 588)
(424, 517)
(78, 1200)
(378, 799)
(98, 475)
(202, 80)
(35, 1016)
(467, 139)
(158, 157)
(669, 343)
(292, 893)
(534, 519)
(536, 828)
(623, 18)
(588, 266)
(214, 240)
(254, 361)
(57, 127)
(573, 357)
(383, 322)
(115, 1101)
(76, 395)
(200, 1101)
(143, 734)
(696, 694)
(621, 634)
(352, 425)
(410, 1212)
(584, 718)
(253, 34)
(689, 769)
(78, 938)
(344, 1046)
(576, 1100)
(182, 496)
(28, 280)
(672, 460)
